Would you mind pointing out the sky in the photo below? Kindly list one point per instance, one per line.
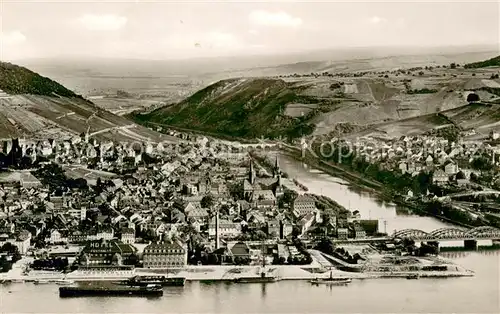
(187, 29)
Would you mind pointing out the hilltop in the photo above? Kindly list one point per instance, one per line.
(389, 102)
(250, 107)
(493, 62)
(34, 106)
(16, 80)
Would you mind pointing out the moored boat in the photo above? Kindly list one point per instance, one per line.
(412, 276)
(332, 280)
(147, 291)
(263, 278)
(17, 281)
(40, 282)
(64, 282)
(255, 279)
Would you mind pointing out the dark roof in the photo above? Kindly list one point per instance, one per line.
(240, 248)
(164, 245)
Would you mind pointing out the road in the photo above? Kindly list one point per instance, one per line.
(130, 126)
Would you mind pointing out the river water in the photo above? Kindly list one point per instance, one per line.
(479, 294)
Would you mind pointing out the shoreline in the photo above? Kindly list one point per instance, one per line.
(367, 185)
(228, 274)
(353, 276)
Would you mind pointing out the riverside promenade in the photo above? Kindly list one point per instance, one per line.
(319, 268)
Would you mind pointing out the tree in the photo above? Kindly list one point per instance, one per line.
(11, 249)
(481, 163)
(472, 97)
(453, 65)
(207, 201)
(460, 175)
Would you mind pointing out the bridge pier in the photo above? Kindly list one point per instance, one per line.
(470, 244)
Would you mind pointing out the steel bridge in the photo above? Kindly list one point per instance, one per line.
(474, 194)
(450, 234)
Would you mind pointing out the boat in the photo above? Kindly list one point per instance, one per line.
(17, 281)
(141, 281)
(412, 276)
(116, 290)
(40, 282)
(64, 282)
(265, 279)
(332, 280)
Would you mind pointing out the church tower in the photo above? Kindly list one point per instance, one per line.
(251, 174)
(277, 170)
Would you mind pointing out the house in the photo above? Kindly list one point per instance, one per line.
(273, 228)
(303, 205)
(20, 240)
(58, 236)
(429, 161)
(165, 254)
(451, 169)
(78, 213)
(286, 229)
(440, 177)
(357, 232)
(198, 213)
(342, 233)
(306, 222)
(227, 229)
(23, 241)
(403, 167)
(127, 235)
(29, 181)
(240, 250)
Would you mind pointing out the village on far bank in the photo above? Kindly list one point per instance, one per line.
(83, 204)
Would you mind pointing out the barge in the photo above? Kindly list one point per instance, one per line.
(331, 280)
(256, 279)
(142, 281)
(148, 291)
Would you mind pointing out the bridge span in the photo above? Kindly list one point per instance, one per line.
(450, 234)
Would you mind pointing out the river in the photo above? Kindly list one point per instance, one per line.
(478, 294)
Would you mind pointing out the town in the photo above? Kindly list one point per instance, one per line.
(83, 205)
(170, 204)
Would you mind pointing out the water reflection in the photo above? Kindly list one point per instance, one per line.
(263, 291)
(352, 197)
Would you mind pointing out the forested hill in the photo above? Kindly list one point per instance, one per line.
(17, 80)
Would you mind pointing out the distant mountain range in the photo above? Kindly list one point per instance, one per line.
(385, 103)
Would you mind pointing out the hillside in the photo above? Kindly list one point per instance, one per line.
(493, 62)
(16, 80)
(240, 108)
(393, 103)
(33, 106)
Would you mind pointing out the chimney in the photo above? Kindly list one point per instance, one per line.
(217, 229)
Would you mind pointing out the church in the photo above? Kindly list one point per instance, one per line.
(258, 188)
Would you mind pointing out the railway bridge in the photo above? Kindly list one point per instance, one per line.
(469, 236)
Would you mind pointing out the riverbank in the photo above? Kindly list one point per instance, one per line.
(377, 189)
(334, 170)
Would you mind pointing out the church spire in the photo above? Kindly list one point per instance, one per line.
(277, 170)
(251, 173)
